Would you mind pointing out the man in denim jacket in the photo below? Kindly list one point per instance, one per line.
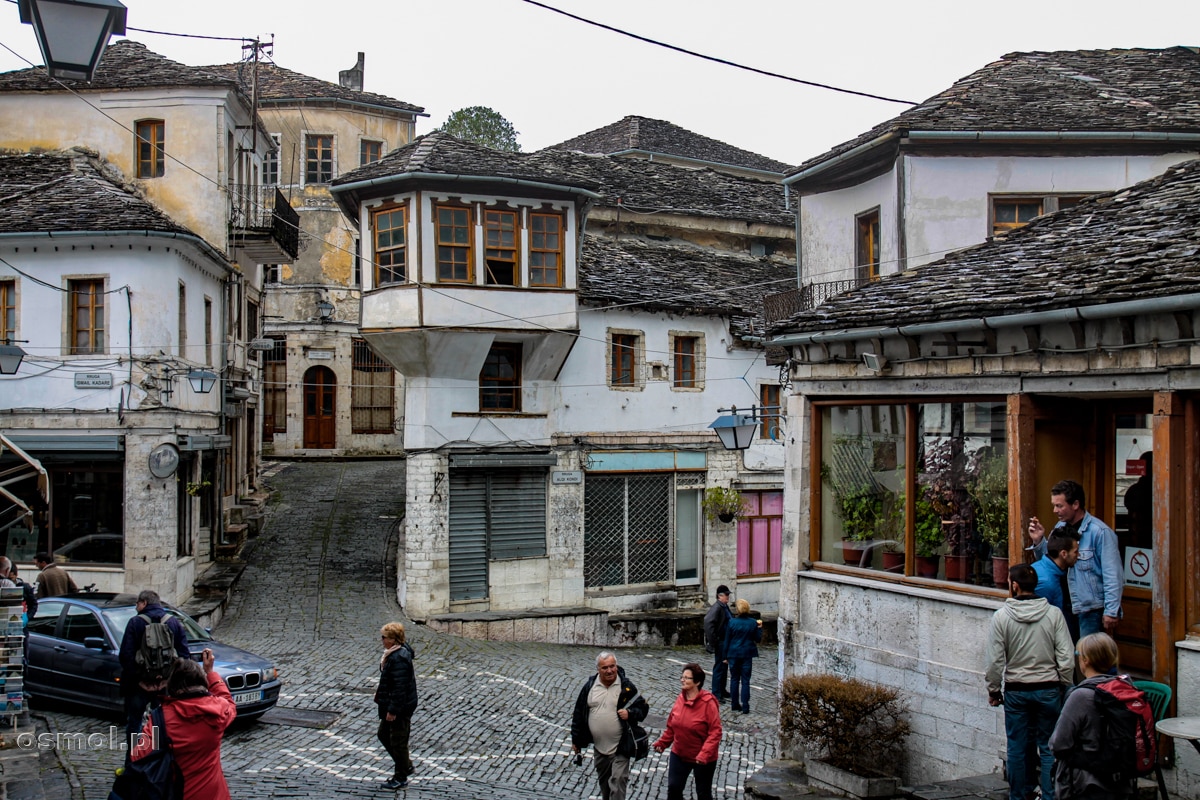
(1098, 577)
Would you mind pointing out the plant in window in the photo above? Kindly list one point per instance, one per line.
(721, 504)
(990, 493)
(861, 506)
(930, 536)
(949, 473)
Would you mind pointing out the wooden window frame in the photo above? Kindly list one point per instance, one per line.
(314, 163)
(391, 250)
(770, 395)
(496, 387)
(364, 398)
(774, 545)
(493, 223)
(8, 310)
(623, 359)
(459, 247)
(208, 331)
(270, 163)
(866, 245)
(182, 320)
(364, 148)
(149, 154)
(1047, 204)
(687, 352)
(539, 251)
(93, 331)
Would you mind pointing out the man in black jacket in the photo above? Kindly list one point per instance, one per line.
(134, 687)
(716, 622)
(604, 716)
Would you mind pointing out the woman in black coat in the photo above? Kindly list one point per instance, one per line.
(397, 700)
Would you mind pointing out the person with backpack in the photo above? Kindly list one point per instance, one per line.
(1105, 735)
(1029, 666)
(152, 641)
(194, 715)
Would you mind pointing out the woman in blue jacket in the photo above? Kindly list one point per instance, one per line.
(741, 637)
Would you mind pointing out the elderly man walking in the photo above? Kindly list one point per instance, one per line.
(607, 706)
(1030, 665)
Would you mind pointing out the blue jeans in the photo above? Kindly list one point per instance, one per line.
(720, 672)
(677, 775)
(739, 677)
(1091, 622)
(1030, 714)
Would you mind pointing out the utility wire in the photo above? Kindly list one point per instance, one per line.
(715, 59)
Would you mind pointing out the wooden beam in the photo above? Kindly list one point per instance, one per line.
(1022, 472)
(1169, 619)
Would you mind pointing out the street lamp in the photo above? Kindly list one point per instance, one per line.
(72, 34)
(10, 358)
(735, 430)
(202, 380)
(325, 311)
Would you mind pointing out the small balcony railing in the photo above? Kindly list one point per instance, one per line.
(783, 305)
(263, 210)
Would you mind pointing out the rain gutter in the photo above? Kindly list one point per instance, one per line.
(1153, 305)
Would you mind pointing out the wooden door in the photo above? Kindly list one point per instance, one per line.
(320, 389)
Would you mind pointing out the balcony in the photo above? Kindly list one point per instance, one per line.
(263, 225)
(784, 305)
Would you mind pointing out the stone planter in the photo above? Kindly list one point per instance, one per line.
(851, 784)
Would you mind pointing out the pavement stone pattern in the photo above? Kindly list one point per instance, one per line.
(494, 717)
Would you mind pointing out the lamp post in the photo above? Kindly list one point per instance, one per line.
(10, 357)
(72, 34)
(736, 431)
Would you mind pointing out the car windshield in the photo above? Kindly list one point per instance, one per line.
(118, 618)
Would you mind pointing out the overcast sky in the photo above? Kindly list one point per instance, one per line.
(555, 77)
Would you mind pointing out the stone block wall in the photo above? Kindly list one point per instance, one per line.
(426, 573)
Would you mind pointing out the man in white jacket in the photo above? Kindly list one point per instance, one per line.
(1030, 655)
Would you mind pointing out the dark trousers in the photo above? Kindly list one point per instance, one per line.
(720, 675)
(678, 770)
(394, 738)
(739, 682)
(136, 703)
(1030, 716)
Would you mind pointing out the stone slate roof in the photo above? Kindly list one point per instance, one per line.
(638, 185)
(653, 276)
(125, 65)
(1071, 90)
(276, 84)
(70, 191)
(659, 136)
(1132, 244)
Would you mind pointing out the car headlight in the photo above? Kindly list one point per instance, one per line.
(270, 674)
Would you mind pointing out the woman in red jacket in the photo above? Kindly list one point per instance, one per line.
(693, 733)
(196, 712)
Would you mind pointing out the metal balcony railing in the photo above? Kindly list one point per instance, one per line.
(781, 306)
(264, 210)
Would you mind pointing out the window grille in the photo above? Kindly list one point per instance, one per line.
(628, 529)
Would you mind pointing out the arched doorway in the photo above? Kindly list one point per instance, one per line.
(320, 387)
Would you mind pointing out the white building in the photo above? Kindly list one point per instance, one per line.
(559, 383)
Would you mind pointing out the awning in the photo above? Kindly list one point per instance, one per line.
(29, 468)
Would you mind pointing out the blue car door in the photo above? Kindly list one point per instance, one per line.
(86, 674)
(42, 632)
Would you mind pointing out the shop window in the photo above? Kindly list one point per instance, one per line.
(627, 529)
(372, 394)
(760, 534)
(87, 514)
(958, 513)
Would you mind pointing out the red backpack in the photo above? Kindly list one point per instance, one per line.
(1128, 743)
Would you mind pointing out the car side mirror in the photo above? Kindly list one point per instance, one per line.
(95, 643)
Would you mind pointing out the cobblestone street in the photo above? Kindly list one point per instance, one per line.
(494, 718)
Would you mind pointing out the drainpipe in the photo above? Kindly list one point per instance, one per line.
(1153, 305)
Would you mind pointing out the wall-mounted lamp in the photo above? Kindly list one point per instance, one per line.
(10, 357)
(72, 34)
(325, 311)
(202, 380)
(736, 431)
(875, 363)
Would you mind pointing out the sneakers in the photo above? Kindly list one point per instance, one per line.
(392, 783)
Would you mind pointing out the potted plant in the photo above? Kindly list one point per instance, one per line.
(893, 549)
(929, 539)
(949, 472)
(721, 504)
(861, 510)
(990, 493)
(853, 732)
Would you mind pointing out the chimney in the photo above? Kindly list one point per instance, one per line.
(353, 78)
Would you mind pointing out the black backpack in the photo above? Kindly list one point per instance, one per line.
(154, 776)
(30, 596)
(1128, 742)
(155, 655)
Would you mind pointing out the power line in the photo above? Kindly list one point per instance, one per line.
(715, 59)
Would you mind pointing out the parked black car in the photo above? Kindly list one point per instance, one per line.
(74, 642)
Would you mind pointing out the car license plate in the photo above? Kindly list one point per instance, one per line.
(245, 698)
